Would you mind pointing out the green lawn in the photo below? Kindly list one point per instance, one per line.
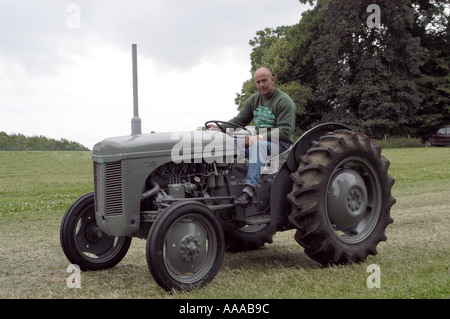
(37, 187)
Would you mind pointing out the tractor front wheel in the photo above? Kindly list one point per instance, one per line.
(341, 198)
(84, 244)
(185, 246)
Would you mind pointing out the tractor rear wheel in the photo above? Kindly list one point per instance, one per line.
(341, 198)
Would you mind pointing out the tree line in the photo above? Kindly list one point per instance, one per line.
(20, 142)
(378, 66)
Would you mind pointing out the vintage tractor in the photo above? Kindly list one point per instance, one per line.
(332, 186)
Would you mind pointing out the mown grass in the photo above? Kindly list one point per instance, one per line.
(37, 187)
(399, 142)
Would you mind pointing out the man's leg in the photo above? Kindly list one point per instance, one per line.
(258, 153)
(257, 156)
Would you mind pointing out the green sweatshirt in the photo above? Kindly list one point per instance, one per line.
(276, 112)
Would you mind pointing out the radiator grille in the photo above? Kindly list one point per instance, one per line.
(108, 188)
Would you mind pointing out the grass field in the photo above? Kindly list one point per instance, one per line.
(37, 187)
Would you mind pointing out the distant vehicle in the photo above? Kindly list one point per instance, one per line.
(440, 138)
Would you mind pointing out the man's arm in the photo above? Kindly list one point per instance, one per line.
(245, 115)
(285, 116)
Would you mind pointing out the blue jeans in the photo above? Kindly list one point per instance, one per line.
(257, 154)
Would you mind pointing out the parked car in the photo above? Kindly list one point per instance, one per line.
(441, 137)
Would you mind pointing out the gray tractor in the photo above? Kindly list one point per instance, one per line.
(332, 186)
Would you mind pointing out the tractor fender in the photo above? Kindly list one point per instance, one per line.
(302, 145)
(282, 183)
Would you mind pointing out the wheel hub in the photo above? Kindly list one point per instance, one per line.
(346, 199)
(190, 248)
(93, 233)
(355, 199)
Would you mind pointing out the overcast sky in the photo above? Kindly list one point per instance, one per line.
(65, 66)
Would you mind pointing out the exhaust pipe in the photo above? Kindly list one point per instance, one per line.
(135, 121)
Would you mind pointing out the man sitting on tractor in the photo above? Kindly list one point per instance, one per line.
(273, 111)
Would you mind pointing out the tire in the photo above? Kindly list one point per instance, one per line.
(185, 246)
(341, 198)
(428, 143)
(249, 237)
(82, 241)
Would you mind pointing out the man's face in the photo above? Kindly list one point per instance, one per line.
(265, 83)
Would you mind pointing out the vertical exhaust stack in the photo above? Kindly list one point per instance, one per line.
(135, 121)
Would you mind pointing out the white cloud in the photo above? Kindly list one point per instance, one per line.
(91, 98)
(62, 81)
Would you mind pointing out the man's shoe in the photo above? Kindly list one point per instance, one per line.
(244, 200)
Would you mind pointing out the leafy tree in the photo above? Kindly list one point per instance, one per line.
(367, 76)
(262, 42)
(432, 25)
(390, 79)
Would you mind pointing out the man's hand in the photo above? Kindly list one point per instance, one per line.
(249, 140)
(212, 127)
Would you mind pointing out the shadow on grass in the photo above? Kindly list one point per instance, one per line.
(270, 257)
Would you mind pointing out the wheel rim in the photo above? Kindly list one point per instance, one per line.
(94, 245)
(190, 248)
(353, 202)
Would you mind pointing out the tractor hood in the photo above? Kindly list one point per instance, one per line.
(179, 145)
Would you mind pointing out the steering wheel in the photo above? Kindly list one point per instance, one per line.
(223, 130)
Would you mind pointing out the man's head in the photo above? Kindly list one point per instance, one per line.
(264, 81)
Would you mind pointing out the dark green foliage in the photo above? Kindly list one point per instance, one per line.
(391, 79)
(432, 26)
(20, 142)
